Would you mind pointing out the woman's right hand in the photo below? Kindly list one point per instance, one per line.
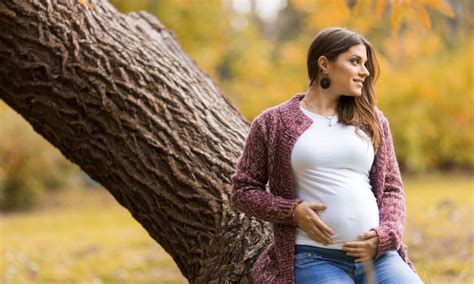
(308, 220)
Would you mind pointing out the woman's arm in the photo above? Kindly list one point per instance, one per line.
(392, 208)
(249, 180)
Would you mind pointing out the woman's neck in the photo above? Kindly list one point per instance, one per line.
(319, 101)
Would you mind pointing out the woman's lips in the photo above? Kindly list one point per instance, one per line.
(359, 83)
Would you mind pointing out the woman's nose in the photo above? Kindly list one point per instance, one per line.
(365, 71)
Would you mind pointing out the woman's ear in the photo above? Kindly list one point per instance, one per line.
(323, 63)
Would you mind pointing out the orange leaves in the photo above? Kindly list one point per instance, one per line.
(362, 15)
(402, 7)
(441, 6)
(324, 12)
(395, 18)
(423, 16)
(379, 8)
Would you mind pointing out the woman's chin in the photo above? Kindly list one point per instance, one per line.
(354, 93)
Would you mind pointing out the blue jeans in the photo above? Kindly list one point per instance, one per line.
(321, 265)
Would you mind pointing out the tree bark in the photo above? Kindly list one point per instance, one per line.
(117, 96)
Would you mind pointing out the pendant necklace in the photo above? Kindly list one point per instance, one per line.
(330, 118)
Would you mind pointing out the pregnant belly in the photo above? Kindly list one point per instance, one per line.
(350, 221)
(348, 215)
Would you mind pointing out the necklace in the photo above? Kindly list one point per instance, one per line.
(329, 117)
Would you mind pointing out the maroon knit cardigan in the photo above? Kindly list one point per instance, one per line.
(266, 158)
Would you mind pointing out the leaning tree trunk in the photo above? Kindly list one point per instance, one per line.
(117, 96)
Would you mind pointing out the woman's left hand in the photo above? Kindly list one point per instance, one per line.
(364, 248)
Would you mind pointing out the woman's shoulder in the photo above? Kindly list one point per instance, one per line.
(268, 116)
(268, 121)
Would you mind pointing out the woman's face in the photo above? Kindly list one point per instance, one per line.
(348, 72)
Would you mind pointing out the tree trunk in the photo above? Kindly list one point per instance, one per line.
(117, 96)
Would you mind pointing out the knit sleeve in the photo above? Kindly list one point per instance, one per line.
(250, 178)
(392, 208)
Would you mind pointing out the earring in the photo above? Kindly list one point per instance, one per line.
(325, 82)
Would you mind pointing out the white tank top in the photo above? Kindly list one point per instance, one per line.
(330, 165)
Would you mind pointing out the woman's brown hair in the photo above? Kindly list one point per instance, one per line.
(357, 111)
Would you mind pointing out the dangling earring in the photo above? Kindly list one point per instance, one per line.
(325, 82)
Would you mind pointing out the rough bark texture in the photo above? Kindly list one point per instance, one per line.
(117, 96)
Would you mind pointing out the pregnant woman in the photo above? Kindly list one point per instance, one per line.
(336, 197)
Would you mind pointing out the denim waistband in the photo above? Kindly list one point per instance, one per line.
(334, 254)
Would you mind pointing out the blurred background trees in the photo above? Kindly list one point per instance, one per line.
(30, 167)
(256, 52)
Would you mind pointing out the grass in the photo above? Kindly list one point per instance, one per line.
(90, 238)
(85, 238)
(439, 230)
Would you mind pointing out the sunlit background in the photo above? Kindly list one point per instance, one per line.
(58, 225)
